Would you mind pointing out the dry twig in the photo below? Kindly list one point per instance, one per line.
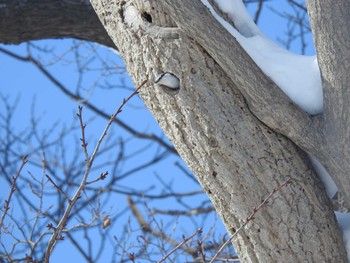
(57, 234)
(198, 231)
(13, 189)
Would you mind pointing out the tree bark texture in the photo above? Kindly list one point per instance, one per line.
(236, 157)
(331, 32)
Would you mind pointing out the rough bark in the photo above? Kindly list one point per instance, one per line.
(331, 31)
(265, 99)
(327, 136)
(237, 158)
(25, 20)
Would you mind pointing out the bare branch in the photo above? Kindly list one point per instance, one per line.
(83, 126)
(100, 178)
(58, 188)
(258, 11)
(58, 230)
(13, 189)
(48, 19)
(198, 231)
(197, 211)
(298, 5)
(148, 229)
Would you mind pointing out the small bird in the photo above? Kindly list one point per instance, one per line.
(169, 80)
(106, 221)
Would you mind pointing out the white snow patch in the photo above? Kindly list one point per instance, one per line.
(298, 76)
(344, 224)
(326, 179)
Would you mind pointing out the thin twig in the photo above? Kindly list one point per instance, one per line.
(201, 251)
(197, 211)
(146, 228)
(258, 11)
(13, 189)
(228, 259)
(298, 5)
(100, 178)
(57, 187)
(251, 217)
(57, 234)
(83, 126)
(198, 231)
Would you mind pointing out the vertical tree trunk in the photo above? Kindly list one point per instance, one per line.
(331, 31)
(237, 159)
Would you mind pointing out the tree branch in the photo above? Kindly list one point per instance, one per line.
(331, 33)
(266, 101)
(25, 20)
(56, 235)
(13, 189)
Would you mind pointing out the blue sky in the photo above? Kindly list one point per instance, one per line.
(37, 95)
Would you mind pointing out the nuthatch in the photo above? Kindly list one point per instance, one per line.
(169, 80)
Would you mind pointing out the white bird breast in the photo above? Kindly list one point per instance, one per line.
(169, 80)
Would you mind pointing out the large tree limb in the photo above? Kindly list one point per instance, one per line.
(331, 31)
(25, 20)
(265, 99)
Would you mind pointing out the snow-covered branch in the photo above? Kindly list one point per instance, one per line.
(297, 76)
(265, 99)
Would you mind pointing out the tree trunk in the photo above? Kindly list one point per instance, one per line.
(212, 122)
(331, 33)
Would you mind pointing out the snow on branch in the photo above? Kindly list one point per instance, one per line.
(297, 76)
